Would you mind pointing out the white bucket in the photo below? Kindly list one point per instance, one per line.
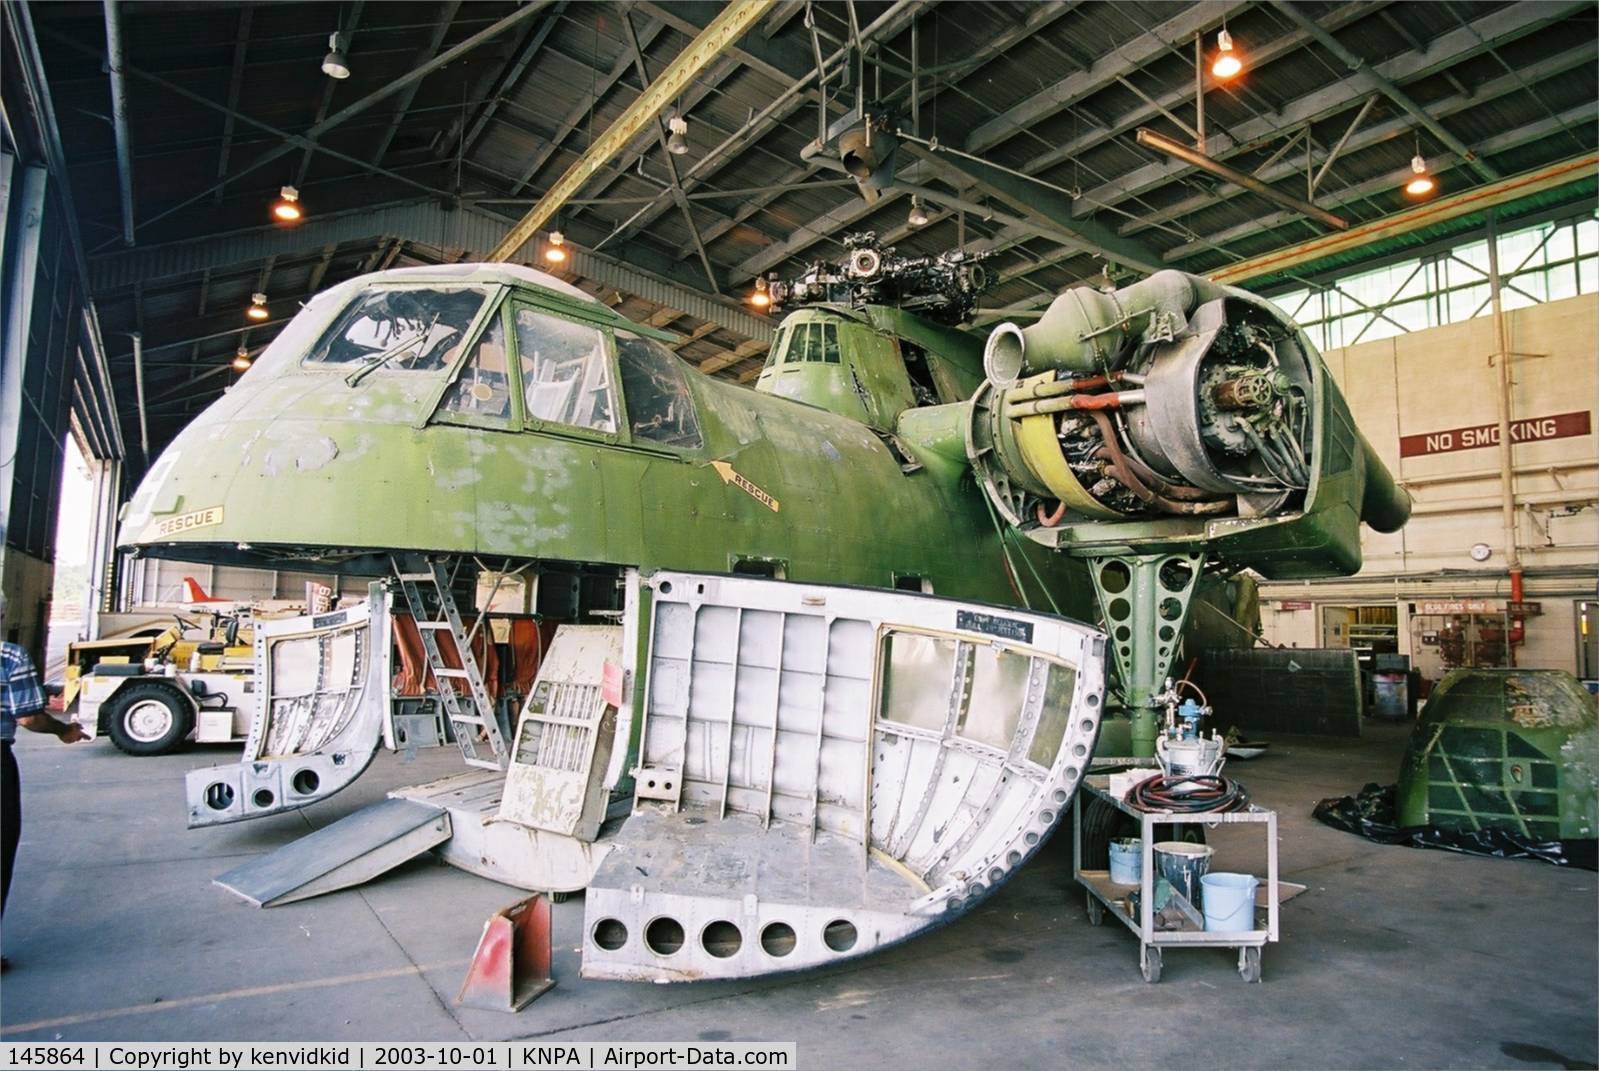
(1127, 861)
(1229, 901)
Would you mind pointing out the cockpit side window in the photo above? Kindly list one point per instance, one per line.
(413, 329)
(660, 406)
(774, 356)
(566, 372)
(815, 342)
(484, 386)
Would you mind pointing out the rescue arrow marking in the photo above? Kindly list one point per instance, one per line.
(725, 470)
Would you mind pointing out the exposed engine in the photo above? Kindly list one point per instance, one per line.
(943, 288)
(1171, 397)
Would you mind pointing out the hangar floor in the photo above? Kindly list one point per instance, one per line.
(1394, 957)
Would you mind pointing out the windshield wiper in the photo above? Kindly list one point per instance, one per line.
(392, 352)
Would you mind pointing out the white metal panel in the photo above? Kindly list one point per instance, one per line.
(843, 765)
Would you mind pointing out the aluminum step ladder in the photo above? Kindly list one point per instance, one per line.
(466, 721)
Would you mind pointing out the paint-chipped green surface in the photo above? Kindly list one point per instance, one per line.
(295, 461)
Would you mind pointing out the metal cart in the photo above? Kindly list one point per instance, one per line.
(1105, 895)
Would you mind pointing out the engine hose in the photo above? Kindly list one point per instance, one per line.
(1050, 520)
(1159, 483)
(1130, 480)
(1188, 794)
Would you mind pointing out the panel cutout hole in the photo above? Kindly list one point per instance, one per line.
(610, 934)
(721, 939)
(839, 935)
(1114, 577)
(263, 797)
(306, 782)
(663, 936)
(778, 939)
(219, 796)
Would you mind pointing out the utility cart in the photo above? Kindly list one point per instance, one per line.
(1105, 895)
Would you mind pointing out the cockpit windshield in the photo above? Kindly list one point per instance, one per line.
(660, 406)
(414, 329)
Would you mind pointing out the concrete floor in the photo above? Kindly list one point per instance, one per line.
(1394, 958)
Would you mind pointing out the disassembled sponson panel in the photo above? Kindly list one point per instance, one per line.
(826, 771)
(320, 685)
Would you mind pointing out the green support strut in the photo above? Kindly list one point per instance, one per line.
(1144, 599)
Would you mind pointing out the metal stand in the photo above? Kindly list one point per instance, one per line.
(1105, 895)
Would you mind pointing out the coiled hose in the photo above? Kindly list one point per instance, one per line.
(1188, 794)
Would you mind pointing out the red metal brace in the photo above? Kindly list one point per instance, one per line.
(511, 967)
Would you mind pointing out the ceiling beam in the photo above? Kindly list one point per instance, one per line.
(1044, 205)
(241, 44)
(634, 269)
(441, 27)
(1260, 54)
(1511, 21)
(742, 352)
(1371, 80)
(1380, 132)
(890, 22)
(1442, 163)
(497, 86)
(347, 35)
(1118, 62)
(580, 110)
(728, 26)
(317, 130)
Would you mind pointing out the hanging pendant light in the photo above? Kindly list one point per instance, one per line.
(555, 252)
(918, 216)
(1421, 183)
(287, 207)
(677, 144)
(258, 307)
(1228, 62)
(241, 359)
(335, 64)
(762, 295)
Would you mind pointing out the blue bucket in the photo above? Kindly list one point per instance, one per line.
(1229, 902)
(1127, 861)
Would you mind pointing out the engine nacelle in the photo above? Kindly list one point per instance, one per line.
(1175, 414)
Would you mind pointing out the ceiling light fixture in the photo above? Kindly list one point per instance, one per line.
(258, 307)
(918, 216)
(241, 359)
(555, 252)
(677, 145)
(335, 64)
(1227, 63)
(1421, 183)
(761, 297)
(287, 207)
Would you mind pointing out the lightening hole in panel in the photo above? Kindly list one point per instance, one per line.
(663, 936)
(778, 939)
(721, 939)
(610, 934)
(839, 935)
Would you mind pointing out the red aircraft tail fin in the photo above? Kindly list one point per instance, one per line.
(196, 592)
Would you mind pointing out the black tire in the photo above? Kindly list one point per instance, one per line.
(149, 718)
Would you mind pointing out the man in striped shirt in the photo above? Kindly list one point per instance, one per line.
(21, 703)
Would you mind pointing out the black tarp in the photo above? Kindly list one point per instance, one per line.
(1372, 815)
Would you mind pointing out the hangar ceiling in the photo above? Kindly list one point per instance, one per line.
(456, 117)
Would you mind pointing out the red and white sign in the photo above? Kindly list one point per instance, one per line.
(1456, 606)
(1531, 430)
(1296, 604)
